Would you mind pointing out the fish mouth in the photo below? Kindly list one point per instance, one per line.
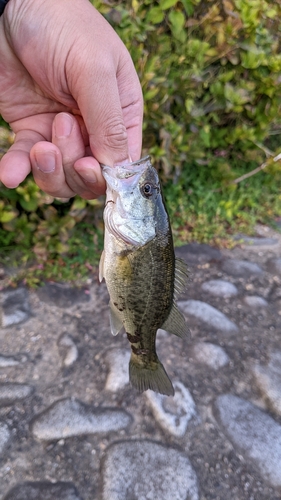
(127, 175)
(130, 165)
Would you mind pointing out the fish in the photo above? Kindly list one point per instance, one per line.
(142, 275)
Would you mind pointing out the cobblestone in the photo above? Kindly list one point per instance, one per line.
(210, 355)
(12, 392)
(70, 417)
(236, 267)
(146, 471)
(15, 307)
(43, 491)
(254, 433)
(208, 314)
(221, 288)
(173, 413)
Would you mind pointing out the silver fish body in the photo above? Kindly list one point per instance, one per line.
(139, 266)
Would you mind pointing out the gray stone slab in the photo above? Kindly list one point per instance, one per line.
(241, 268)
(70, 417)
(255, 301)
(143, 470)
(210, 355)
(255, 240)
(43, 490)
(15, 307)
(118, 363)
(208, 314)
(4, 436)
(68, 350)
(220, 288)
(8, 361)
(269, 383)
(17, 359)
(196, 253)
(268, 380)
(62, 294)
(254, 433)
(173, 413)
(11, 392)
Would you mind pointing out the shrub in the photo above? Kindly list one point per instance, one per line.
(210, 72)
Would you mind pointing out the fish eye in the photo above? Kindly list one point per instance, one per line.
(147, 190)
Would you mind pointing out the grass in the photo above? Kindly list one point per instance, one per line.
(78, 265)
(201, 213)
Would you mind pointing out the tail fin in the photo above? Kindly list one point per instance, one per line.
(155, 378)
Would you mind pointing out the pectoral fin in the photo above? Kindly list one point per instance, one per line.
(175, 323)
(116, 323)
(101, 264)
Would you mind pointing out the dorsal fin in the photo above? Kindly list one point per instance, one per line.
(181, 277)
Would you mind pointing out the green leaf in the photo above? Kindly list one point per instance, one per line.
(188, 7)
(167, 4)
(155, 15)
(150, 93)
(61, 248)
(29, 205)
(78, 203)
(177, 19)
(250, 60)
(7, 216)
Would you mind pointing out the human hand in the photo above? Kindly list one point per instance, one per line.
(69, 90)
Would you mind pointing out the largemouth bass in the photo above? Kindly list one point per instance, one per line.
(139, 266)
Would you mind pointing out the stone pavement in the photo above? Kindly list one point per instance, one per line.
(72, 428)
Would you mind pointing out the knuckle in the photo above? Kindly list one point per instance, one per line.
(115, 134)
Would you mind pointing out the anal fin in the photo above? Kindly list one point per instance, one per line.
(101, 265)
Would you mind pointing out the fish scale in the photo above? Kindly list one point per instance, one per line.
(139, 266)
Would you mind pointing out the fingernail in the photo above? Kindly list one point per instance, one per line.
(46, 162)
(88, 175)
(63, 124)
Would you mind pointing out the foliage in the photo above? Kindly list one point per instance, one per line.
(54, 239)
(210, 73)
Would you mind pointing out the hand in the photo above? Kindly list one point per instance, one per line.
(69, 90)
